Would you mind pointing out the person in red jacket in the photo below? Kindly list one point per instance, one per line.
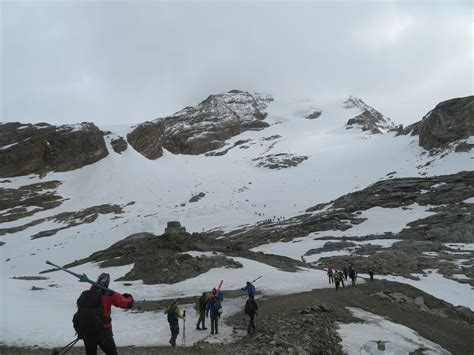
(92, 320)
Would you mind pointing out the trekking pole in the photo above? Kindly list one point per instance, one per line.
(82, 277)
(184, 329)
(66, 348)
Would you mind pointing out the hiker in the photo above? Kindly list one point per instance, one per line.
(202, 304)
(371, 274)
(345, 272)
(173, 314)
(337, 279)
(341, 274)
(303, 259)
(92, 320)
(251, 308)
(214, 309)
(352, 275)
(249, 288)
(330, 272)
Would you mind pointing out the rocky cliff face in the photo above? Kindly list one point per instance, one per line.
(27, 148)
(369, 119)
(202, 128)
(449, 121)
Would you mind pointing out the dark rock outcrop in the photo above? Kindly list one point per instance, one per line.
(449, 121)
(146, 139)
(369, 119)
(119, 145)
(27, 149)
(313, 115)
(279, 161)
(205, 127)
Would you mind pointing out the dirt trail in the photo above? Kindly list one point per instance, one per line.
(304, 323)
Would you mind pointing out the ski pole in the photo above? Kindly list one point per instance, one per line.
(82, 277)
(67, 347)
(184, 328)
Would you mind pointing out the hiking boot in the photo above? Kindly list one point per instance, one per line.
(212, 332)
(198, 328)
(204, 328)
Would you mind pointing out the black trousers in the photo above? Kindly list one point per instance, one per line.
(214, 324)
(251, 323)
(202, 319)
(174, 333)
(105, 341)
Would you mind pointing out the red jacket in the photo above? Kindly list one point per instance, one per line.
(107, 301)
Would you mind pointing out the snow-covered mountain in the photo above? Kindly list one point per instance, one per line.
(247, 174)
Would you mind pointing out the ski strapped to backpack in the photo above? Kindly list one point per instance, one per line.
(82, 278)
(258, 278)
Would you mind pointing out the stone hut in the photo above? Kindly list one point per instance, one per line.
(174, 227)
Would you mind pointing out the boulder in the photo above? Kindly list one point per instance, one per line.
(119, 145)
(27, 149)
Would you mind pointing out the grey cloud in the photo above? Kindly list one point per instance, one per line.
(126, 62)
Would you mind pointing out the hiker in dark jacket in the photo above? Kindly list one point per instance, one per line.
(202, 304)
(214, 309)
(173, 314)
(345, 271)
(251, 308)
(371, 274)
(352, 275)
(337, 279)
(97, 331)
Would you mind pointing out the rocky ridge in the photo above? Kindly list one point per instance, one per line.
(38, 149)
(202, 128)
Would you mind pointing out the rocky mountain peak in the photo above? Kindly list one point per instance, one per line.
(369, 118)
(202, 128)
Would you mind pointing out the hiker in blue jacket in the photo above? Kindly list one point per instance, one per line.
(250, 289)
(214, 309)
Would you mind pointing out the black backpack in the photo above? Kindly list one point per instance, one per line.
(89, 306)
(250, 306)
(172, 318)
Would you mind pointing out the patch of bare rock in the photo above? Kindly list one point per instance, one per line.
(28, 200)
(279, 161)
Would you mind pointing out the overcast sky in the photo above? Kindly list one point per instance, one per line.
(131, 61)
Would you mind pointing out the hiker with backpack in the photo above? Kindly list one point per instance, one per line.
(201, 308)
(92, 320)
(371, 274)
(341, 274)
(214, 309)
(352, 275)
(345, 271)
(330, 274)
(337, 279)
(251, 308)
(173, 314)
(249, 288)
